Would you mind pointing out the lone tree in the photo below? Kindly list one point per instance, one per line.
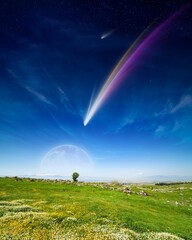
(75, 175)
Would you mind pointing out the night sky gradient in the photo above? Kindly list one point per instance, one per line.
(53, 59)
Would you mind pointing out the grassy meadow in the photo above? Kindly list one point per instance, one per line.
(45, 209)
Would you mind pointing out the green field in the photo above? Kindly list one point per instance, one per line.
(45, 209)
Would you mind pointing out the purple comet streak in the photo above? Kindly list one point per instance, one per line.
(126, 64)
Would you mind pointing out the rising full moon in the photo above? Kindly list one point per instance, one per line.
(63, 160)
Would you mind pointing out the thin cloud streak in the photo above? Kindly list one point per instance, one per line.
(186, 101)
(59, 125)
(65, 101)
(40, 96)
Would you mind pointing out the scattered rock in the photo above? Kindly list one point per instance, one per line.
(143, 193)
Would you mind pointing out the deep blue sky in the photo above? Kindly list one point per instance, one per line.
(52, 59)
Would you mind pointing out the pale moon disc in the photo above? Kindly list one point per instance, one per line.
(64, 160)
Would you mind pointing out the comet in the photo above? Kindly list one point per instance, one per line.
(127, 62)
(107, 34)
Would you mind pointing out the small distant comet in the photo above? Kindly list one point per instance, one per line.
(127, 62)
(107, 34)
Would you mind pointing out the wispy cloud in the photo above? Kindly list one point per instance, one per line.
(30, 89)
(167, 122)
(65, 101)
(124, 122)
(159, 130)
(59, 125)
(40, 96)
(185, 101)
(170, 108)
(164, 130)
(12, 73)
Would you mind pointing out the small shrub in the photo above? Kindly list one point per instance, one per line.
(75, 175)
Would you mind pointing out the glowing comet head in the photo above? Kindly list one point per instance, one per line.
(127, 62)
(88, 118)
